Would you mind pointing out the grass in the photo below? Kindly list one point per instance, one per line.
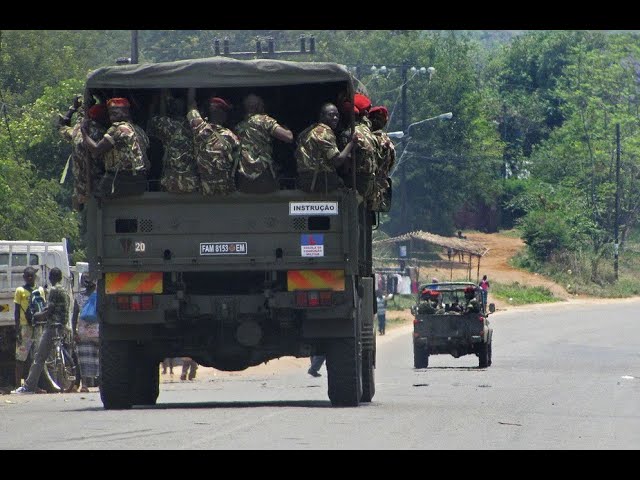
(513, 233)
(517, 294)
(401, 302)
(393, 322)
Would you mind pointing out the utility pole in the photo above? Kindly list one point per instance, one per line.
(134, 46)
(403, 173)
(617, 214)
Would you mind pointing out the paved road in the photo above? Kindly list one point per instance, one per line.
(563, 377)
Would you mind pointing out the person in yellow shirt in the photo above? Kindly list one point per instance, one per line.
(24, 331)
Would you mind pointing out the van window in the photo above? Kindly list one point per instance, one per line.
(19, 259)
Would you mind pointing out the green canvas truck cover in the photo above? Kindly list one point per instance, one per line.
(217, 72)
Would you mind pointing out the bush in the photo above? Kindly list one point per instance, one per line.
(545, 233)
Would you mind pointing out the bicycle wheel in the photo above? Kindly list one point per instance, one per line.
(62, 369)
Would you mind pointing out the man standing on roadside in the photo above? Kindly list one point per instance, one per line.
(57, 311)
(484, 285)
(24, 331)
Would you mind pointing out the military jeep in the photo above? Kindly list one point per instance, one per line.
(450, 318)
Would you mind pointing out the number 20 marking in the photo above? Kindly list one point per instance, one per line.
(140, 247)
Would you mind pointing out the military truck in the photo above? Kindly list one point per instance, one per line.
(450, 318)
(232, 280)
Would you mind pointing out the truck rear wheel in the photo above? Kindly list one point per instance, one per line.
(368, 376)
(146, 386)
(420, 356)
(344, 368)
(115, 376)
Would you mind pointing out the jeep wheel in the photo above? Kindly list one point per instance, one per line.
(344, 369)
(115, 381)
(489, 362)
(483, 355)
(420, 356)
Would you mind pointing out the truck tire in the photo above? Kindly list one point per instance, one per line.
(420, 356)
(115, 375)
(483, 355)
(146, 386)
(368, 336)
(344, 369)
(368, 376)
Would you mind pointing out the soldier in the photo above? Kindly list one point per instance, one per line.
(217, 148)
(123, 147)
(317, 154)
(179, 172)
(365, 151)
(386, 154)
(256, 132)
(86, 171)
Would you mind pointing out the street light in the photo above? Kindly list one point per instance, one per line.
(400, 135)
(404, 69)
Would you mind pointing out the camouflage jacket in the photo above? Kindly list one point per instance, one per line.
(217, 152)
(80, 156)
(316, 148)
(365, 151)
(255, 135)
(129, 152)
(179, 172)
(386, 153)
(58, 300)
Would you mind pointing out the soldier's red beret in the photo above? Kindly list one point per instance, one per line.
(117, 102)
(381, 110)
(221, 102)
(97, 111)
(362, 102)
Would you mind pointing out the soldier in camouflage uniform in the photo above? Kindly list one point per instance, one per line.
(124, 146)
(365, 152)
(179, 172)
(57, 311)
(217, 148)
(256, 132)
(386, 154)
(317, 154)
(86, 171)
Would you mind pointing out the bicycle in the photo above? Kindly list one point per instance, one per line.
(60, 369)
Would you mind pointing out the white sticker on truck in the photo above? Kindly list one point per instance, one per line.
(223, 248)
(313, 208)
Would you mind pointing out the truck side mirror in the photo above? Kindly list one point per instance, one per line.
(492, 307)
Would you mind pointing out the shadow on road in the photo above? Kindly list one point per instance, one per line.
(240, 404)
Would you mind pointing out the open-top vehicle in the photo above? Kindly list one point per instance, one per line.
(450, 318)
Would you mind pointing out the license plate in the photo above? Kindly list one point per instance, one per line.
(223, 248)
